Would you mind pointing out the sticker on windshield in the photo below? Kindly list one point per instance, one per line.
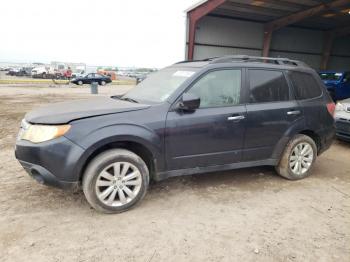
(183, 73)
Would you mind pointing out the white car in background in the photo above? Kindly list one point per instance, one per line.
(342, 119)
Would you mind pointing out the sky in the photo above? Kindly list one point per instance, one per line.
(124, 33)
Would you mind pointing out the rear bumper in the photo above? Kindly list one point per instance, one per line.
(343, 129)
(327, 136)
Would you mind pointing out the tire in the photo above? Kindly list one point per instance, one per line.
(296, 164)
(103, 83)
(104, 189)
(80, 82)
(43, 76)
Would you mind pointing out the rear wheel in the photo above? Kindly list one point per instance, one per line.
(80, 82)
(103, 83)
(115, 181)
(298, 158)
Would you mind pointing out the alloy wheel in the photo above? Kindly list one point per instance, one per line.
(118, 184)
(301, 158)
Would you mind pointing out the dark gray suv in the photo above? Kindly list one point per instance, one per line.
(192, 117)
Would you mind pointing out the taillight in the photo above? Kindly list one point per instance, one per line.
(331, 108)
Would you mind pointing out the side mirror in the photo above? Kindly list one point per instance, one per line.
(189, 102)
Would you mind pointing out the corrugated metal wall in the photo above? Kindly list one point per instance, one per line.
(221, 36)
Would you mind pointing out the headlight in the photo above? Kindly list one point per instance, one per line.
(339, 107)
(41, 133)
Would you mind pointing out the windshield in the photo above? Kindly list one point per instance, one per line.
(331, 76)
(158, 86)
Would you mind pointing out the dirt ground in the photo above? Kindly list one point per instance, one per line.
(242, 215)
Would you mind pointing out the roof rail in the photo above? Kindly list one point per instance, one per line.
(245, 58)
(199, 60)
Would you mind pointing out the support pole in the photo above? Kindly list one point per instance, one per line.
(194, 15)
(267, 41)
(192, 36)
(327, 48)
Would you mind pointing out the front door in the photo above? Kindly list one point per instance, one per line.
(213, 134)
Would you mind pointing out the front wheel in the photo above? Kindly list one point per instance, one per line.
(103, 83)
(298, 158)
(80, 82)
(115, 181)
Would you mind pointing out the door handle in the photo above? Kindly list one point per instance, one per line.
(293, 112)
(232, 118)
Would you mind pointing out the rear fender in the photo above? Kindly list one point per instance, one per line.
(294, 129)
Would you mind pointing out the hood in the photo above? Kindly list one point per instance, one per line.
(331, 82)
(345, 102)
(62, 113)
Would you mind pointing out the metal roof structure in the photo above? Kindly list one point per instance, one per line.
(330, 16)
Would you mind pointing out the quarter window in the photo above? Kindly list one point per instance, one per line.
(305, 86)
(267, 86)
(218, 88)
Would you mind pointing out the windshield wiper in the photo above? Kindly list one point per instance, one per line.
(128, 99)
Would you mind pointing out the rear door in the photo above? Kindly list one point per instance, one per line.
(214, 133)
(270, 112)
(308, 92)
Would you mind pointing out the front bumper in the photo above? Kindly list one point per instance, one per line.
(343, 129)
(53, 163)
(45, 177)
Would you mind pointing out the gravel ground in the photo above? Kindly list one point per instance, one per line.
(242, 215)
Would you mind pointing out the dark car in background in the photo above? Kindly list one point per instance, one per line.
(24, 71)
(13, 71)
(140, 78)
(337, 83)
(90, 78)
(192, 117)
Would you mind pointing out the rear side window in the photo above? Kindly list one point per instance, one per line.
(267, 86)
(305, 86)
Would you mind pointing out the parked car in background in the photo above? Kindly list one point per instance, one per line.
(192, 117)
(13, 71)
(337, 83)
(140, 78)
(24, 71)
(92, 77)
(342, 119)
(41, 72)
(78, 74)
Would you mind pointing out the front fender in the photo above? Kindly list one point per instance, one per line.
(121, 133)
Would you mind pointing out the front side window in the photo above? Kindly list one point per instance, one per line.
(305, 86)
(218, 88)
(267, 86)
